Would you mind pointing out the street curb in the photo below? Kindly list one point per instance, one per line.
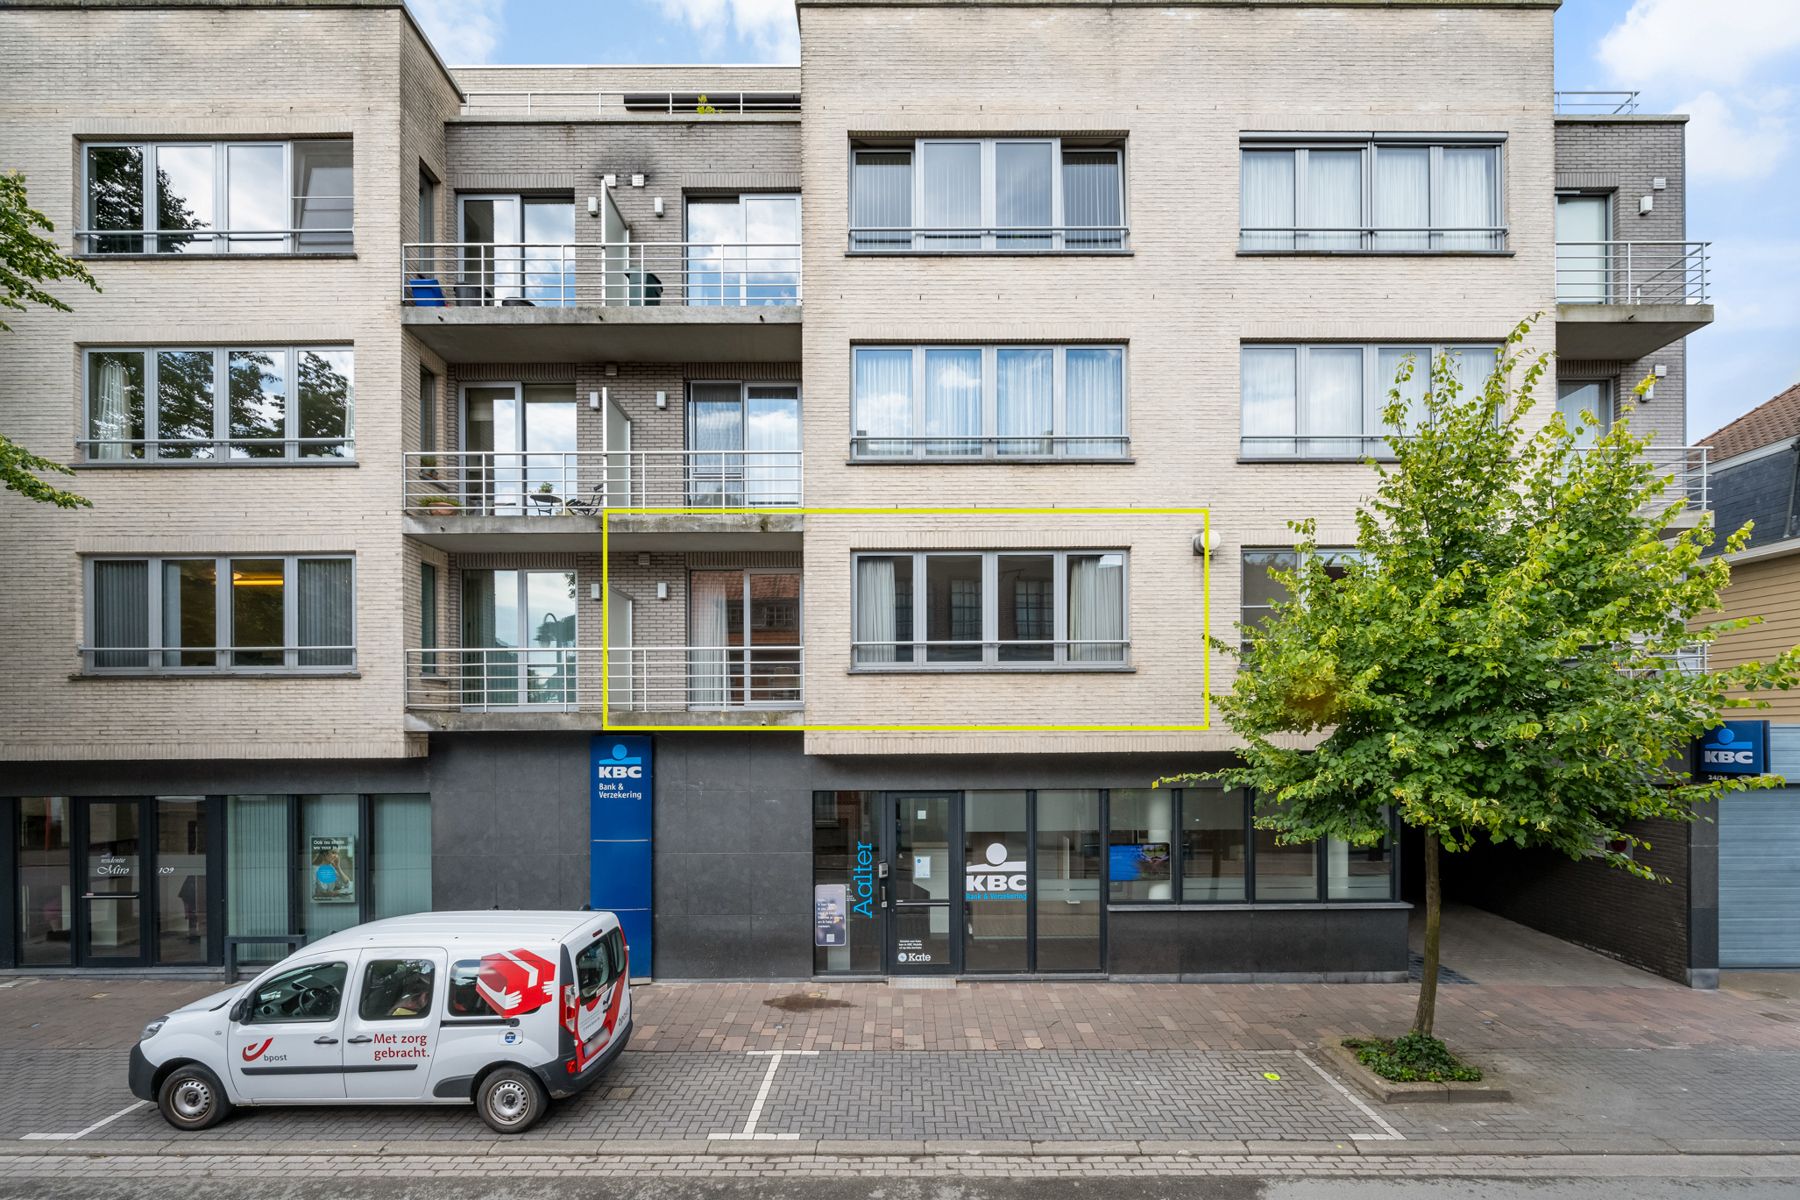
(811, 1148)
(1344, 1065)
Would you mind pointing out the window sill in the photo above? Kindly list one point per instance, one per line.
(1376, 253)
(996, 669)
(191, 464)
(989, 253)
(1126, 906)
(332, 255)
(204, 673)
(1302, 459)
(1024, 460)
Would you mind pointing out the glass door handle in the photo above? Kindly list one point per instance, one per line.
(360, 1039)
(324, 1041)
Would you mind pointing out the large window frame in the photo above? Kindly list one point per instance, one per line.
(990, 445)
(914, 654)
(158, 657)
(1290, 560)
(1370, 440)
(1306, 236)
(987, 236)
(296, 238)
(222, 448)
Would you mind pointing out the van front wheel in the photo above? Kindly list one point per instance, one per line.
(511, 1100)
(191, 1099)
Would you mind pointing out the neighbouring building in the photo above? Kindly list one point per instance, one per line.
(787, 505)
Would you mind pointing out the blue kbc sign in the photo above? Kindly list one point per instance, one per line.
(1736, 748)
(620, 856)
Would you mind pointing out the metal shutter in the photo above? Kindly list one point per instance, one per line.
(1759, 867)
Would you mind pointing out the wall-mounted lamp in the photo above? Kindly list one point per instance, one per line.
(662, 589)
(593, 206)
(662, 399)
(1206, 543)
(656, 206)
(594, 590)
(1645, 205)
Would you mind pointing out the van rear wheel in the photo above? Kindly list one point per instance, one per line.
(192, 1099)
(511, 1100)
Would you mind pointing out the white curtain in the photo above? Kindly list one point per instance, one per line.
(1097, 607)
(881, 197)
(1332, 402)
(1412, 392)
(876, 610)
(883, 420)
(111, 418)
(1094, 386)
(1468, 197)
(1267, 199)
(1402, 197)
(716, 435)
(327, 611)
(1266, 386)
(1472, 366)
(1333, 200)
(1092, 200)
(1024, 384)
(952, 194)
(710, 595)
(953, 401)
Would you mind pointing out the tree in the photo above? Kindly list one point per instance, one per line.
(28, 262)
(1498, 661)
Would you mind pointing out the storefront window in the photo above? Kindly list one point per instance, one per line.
(44, 892)
(846, 914)
(181, 879)
(1213, 852)
(996, 893)
(1141, 842)
(257, 884)
(1360, 872)
(1068, 880)
(400, 865)
(1284, 871)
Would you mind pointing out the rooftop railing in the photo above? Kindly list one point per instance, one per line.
(606, 274)
(503, 679)
(579, 103)
(1632, 272)
(1598, 103)
(548, 483)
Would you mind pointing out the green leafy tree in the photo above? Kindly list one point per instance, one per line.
(1500, 661)
(29, 262)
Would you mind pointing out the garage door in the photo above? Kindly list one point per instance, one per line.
(1759, 867)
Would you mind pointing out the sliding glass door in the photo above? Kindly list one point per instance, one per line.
(744, 639)
(745, 440)
(526, 436)
(743, 250)
(517, 250)
(518, 639)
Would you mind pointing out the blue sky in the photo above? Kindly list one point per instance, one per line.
(1734, 65)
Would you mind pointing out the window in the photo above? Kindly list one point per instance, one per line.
(1586, 406)
(1326, 401)
(397, 989)
(988, 402)
(599, 963)
(428, 195)
(746, 439)
(428, 618)
(314, 992)
(219, 197)
(1011, 609)
(993, 195)
(205, 615)
(428, 410)
(1261, 591)
(743, 250)
(1358, 193)
(280, 404)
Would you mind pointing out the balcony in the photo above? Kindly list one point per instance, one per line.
(1624, 300)
(604, 301)
(509, 687)
(485, 500)
(1595, 104)
(1689, 473)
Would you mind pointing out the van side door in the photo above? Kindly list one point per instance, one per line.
(289, 1045)
(391, 1026)
(602, 993)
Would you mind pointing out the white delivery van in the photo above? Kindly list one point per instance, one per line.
(505, 1009)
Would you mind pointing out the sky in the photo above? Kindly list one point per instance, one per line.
(1732, 65)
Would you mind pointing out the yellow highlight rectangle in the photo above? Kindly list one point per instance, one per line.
(606, 516)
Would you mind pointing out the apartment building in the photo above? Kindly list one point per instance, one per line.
(788, 506)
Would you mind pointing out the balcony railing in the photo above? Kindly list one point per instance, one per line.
(536, 103)
(1689, 660)
(1370, 239)
(602, 274)
(549, 483)
(1024, 654)
(1601, 103)
(216, 660)
(505, 679)
(988, 449)
(306, 240)
(1632, 273)
(1006, 239)
(1688, 469)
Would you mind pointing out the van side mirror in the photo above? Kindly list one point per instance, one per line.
(238, 1009)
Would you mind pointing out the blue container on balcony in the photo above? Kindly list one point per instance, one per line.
(425, 293)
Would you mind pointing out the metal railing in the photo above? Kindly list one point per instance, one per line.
(1603, 103)
(607, 274)
(1373, 239)
(1025, 653)
(1322, 446)
(549, 483)
(1632, 272)
(1688, 470)
(1688, 660)
(624, 678)
(313, 240)
(1006, 239)
(237, 449)
(214, 660)
(936, 449)
(548, 104)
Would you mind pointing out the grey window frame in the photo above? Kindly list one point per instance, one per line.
(156, 653)
(428, 618)
(915, 652)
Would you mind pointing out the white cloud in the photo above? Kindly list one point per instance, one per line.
(465, 32)
(1698, 41)
(769, 26)
(1734, 140)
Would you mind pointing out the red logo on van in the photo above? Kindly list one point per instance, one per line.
(252, 1053)
(515, 982)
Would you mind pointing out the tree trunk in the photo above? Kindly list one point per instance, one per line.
(1426, 1016)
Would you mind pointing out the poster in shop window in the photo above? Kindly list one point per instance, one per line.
(830, 915)
(333, 870)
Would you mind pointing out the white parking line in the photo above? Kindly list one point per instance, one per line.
(1391, 1134)
(748, 1133)
(81, 1133)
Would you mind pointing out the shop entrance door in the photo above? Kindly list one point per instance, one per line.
(924, 883)
(113, 929)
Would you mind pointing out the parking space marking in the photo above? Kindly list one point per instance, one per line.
(1390, 1134)
(748, 1133)
(81, 1133)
